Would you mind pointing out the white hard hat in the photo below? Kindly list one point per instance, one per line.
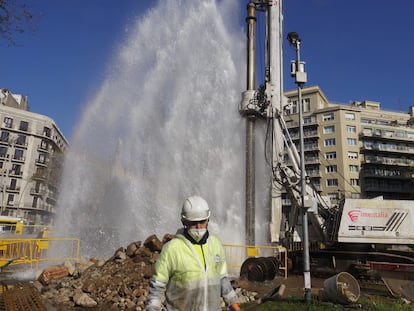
(195, 208)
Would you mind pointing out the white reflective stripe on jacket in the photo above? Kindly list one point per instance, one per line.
(191, 283)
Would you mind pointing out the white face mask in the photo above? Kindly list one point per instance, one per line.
(197, 234)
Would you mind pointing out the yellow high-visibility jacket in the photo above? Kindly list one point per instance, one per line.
(192, 276)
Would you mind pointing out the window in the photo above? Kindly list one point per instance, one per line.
(332, 182)
(21, 140)
(367, 131)
(331, 168)
(351, 129)
(307, 120)
(44, 145)
(13, 183)
(365, 120)
(389, 133)
(10, 200)
(354, 182)
(330, 142)
(42, 158)
(46, 131)
(328, 116)
(34, 204)
(17, 169)
(294, 108)
(3, 152)
(330, 155)
(18, 154)
(354, 168)
(8, 122)
(349, 116)
(352, 155)
(368, 144)
(352, 141)
(306, 105)
(333, 196)
(4, 136)
(329, 129)
(310, 145)
(24, 126)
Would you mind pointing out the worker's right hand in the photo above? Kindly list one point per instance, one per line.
(234, 307)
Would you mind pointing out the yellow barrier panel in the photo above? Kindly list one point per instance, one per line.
(252, 252)
(29, 253)
(237, 254)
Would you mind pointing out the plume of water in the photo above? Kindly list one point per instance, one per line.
(164, 125)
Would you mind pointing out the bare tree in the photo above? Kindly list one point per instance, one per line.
(15, 18)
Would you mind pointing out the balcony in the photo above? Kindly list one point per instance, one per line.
(314, 173)
(18, 159)
(406, 189)
(37, 192)
(13, 189)
(45, 133)
(387, 160)
(306, 134)
(14, 173)
(44, 207)
(385, 136)
(312, 160)
(386, 174)
(43, 149)
(21, 145)
(401, 149)
(295, 124)
(311, 147)
(41, 163)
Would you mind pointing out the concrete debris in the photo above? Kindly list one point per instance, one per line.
(119, 283)
(53, 273)
(82, 299)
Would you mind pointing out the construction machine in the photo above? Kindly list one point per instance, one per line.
(366, 237)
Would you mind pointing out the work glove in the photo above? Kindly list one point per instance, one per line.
(234, 307)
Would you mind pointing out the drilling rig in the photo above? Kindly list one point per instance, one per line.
(365, 237)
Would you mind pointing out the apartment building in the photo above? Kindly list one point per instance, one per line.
(31, 160)
(354, 150)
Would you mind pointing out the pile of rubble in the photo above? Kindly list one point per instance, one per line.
(119, 283)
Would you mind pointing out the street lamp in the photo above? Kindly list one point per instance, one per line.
(298, 72)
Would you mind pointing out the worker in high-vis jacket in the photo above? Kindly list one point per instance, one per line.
(191, 270)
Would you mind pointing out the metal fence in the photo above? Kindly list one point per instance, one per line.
(22, 254)
(27, 253)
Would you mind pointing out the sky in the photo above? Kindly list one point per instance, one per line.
(353, 49)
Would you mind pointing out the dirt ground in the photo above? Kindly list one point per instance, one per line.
(294, 287)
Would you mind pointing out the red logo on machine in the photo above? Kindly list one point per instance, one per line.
(354, 214)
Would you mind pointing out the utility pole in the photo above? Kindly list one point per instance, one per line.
(298, 71)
